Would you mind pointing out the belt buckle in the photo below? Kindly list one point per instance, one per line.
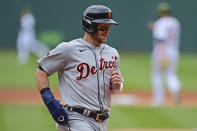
(98, 117)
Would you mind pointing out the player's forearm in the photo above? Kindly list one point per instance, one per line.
(42, 80)
(55, 108)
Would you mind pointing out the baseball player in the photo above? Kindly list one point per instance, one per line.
(88, 72)
(165, 55)
(26, 40)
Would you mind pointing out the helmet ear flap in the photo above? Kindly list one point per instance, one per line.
(87, 20)
(88, 25)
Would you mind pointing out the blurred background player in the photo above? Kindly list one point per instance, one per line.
(26, 41)
(165, 55)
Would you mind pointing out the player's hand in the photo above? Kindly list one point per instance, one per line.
(115, 80)
(55, 108)
(62, 104)
(150, 25)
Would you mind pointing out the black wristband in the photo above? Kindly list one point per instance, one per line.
(44, 89)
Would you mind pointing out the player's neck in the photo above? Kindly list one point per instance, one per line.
(87, 37)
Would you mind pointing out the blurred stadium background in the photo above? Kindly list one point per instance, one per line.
(60, 20)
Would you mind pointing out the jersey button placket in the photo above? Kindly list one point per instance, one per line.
(97, 53)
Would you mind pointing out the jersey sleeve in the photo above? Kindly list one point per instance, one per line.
(160, 32)
(55, 60)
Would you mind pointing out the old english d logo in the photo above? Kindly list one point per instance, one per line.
(110, 15)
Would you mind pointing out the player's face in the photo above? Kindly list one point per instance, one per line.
(102, 33)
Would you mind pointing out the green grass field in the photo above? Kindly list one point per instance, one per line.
(37, 118)
(147, 117)
(135, 68)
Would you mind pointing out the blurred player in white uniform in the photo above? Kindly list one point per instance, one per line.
(26, 41)
(165, 55)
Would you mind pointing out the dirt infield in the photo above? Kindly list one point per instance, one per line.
(139, 98)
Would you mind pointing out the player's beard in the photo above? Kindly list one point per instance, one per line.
(100, 38)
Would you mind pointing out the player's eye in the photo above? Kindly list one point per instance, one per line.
(103, 29)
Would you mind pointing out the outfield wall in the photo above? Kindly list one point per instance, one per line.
(133, 15)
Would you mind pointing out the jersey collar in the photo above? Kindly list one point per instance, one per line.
(90, 45)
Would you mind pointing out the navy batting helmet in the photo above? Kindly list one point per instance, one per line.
(96, 14)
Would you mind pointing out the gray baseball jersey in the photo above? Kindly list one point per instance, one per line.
(84, 72)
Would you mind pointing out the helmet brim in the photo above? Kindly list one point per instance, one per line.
(105, 21)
